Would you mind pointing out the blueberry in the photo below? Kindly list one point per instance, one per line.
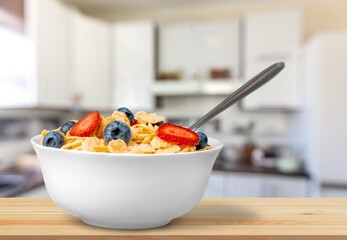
(127, 112)
(158, 123)
(117, 130)
(53, 139)
(67, 126)
(203, 140)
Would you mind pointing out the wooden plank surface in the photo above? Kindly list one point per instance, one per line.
(252, 218)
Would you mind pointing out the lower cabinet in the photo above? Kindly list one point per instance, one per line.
(232, 184)
(215, 185)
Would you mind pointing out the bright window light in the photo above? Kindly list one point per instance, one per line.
(15, 68)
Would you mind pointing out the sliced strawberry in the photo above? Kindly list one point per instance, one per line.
(87, 125)
(134, 122)
(177, 134)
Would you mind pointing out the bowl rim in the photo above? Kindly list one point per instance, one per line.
(36, 139)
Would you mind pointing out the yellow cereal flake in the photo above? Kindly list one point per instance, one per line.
(79, 148)
(136, 150)
(101, 149)
(146, 148)
(208, 147)
(143, 117)
(147, 139)
(117, 146)
(188, 149)
(139, 133)
(132, 144)
(159, 143)
(170, 149)
(121, 117)
(100, 132)
(73, 144)
(44, 133)
(93, 144)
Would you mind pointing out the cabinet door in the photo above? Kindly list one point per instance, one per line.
(271, 38)
(272, 35)
(280, 93)
(274, 186)
(217, 46)
(242, 185)
(48, 24)
(92, 62)
(215, 185)
(176, 48)
(133, 64)
(196, 48)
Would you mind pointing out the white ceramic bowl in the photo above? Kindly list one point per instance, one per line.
(125, 191)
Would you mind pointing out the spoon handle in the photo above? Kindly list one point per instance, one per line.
(259, 80)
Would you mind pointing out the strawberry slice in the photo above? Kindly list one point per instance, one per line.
(87, 125)
(177, 134)
(134, 122)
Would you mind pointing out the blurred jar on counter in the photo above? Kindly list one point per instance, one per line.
(246, 152)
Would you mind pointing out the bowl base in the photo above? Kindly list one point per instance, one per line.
(126, 225)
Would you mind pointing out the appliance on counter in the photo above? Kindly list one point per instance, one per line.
(24, 175)
(19, 166)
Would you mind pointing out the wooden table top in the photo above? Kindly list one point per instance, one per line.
(219, 218)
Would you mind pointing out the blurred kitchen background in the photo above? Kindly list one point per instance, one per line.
(179, 58)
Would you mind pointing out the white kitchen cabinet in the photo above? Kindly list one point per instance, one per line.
(272, 35)
(91, 49)
(133, 64)
(276, 186)
(271, 38)
(48, 24)
(176, 51)
(197, 47)
(280, 93)
(215, 185)
(71, 56)
(242, 185)
(238, 184)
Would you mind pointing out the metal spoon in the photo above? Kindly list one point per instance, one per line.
(250, 86)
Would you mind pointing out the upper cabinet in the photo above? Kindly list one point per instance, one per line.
(91, 56)
(195, 49)
(48, 26)
(270, 38)
(71, 57)
(196, 54)
(133, 64)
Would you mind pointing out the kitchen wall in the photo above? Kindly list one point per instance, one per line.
(319, 15)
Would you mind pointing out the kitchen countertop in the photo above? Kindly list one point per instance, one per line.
(247, 168)
(223, 218)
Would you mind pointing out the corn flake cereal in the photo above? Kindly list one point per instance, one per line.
(117, 146)
(170, 149)
(144, 139)
(143, 117)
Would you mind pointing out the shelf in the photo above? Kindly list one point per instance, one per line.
(174, 88)
(195, 87)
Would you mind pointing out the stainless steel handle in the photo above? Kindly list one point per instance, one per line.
(250, 86)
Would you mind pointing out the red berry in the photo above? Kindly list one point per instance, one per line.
(177, 134)
(134, 122)
(87, 125)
